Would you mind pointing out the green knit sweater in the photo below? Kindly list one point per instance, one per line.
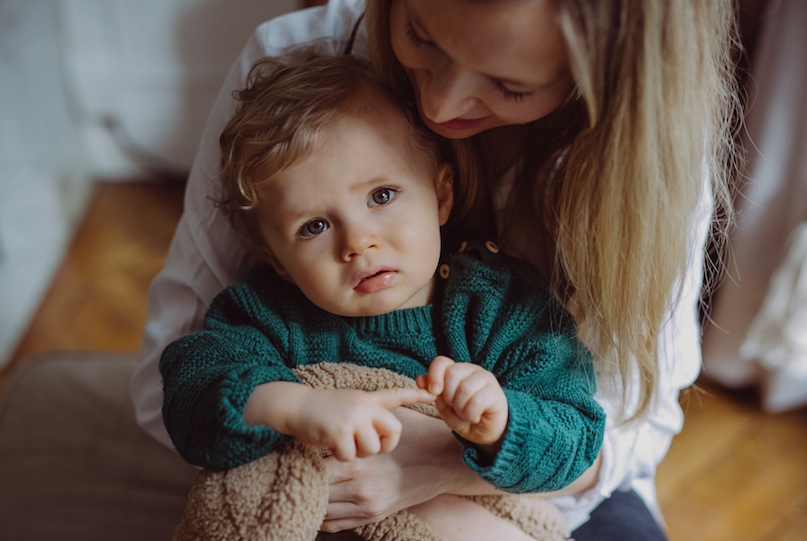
(486, 311)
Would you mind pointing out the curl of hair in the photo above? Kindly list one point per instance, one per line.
(281, 113)
(611, 181)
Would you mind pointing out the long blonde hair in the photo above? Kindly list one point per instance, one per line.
(610, 182)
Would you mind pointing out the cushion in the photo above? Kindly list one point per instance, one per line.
(74, 464)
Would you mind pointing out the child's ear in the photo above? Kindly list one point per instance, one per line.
(444, 186)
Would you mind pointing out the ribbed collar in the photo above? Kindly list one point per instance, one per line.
(408, 320)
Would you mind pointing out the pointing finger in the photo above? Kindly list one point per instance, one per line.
(392, 398)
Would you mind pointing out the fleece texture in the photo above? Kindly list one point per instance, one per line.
(486, 310)
(282, 496)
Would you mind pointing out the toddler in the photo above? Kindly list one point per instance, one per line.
(340, 196)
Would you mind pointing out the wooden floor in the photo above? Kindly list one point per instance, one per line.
(732, 474)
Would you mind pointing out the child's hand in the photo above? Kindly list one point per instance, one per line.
(470, 400)
(352, 423)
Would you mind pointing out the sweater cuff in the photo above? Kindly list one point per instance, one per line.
(515, 467)
(234, 394)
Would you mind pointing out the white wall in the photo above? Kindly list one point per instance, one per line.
(71, 69)
(152, 68)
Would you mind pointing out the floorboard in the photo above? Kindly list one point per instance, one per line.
(734, 473)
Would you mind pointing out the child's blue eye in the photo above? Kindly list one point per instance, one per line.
(381, 196)
(314, 228)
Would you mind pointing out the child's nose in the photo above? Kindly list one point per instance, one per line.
(358, 238)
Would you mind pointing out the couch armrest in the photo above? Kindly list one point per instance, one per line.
(74, 464)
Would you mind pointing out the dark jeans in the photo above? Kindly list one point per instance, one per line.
(623, 517)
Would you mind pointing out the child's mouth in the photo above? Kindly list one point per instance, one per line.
(375, 282)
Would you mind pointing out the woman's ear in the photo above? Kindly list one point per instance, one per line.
(444, 186)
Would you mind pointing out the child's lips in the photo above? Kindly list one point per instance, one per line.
(370, 282)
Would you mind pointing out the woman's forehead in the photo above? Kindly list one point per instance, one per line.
(512, 40)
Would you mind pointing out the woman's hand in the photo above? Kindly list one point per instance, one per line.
(426, 462)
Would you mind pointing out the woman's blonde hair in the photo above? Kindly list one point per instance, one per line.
(287, 103)
(610, 182)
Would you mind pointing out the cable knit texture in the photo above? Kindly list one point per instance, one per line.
(283, 496)
(487, 311)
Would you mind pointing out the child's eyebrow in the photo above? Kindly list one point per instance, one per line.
(378, 180)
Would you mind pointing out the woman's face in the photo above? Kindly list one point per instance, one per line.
(477, 65)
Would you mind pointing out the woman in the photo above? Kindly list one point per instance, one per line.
(593, 122)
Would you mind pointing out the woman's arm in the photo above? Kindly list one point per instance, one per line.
(427, 463)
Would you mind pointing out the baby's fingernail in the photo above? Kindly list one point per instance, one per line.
(434, 389)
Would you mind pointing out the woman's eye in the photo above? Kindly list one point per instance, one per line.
(313, 228)
(416, 40)
(382, 196)
(511, 94)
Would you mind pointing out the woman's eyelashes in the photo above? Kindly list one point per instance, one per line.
(511, 94)
(418, 41)
(413, 36)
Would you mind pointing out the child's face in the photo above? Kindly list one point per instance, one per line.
(356, 224)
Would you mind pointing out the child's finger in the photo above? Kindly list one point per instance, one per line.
(450, 417)
(486, 400)
(392, 398)
(388, 429)
(344, 448)
(468, 395)
(368, 441)
(437, 371)
(454, 376)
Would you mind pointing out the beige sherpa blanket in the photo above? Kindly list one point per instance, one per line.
(282, 496)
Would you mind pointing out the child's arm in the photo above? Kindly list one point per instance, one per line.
(470, 401)
(350, 423)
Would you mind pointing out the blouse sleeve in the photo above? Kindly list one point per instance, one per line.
(206, 254)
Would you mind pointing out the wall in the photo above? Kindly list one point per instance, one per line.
(98, 89)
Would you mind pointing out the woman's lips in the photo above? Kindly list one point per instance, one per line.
(463, 123)
(376, 282)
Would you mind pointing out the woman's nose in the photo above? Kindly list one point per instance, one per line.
(357, 239)
(446, 94)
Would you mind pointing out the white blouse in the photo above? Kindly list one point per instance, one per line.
(206, 255)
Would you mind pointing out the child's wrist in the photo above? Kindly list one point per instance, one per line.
(272, 405)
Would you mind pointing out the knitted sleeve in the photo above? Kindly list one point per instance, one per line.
(209, 376)
(525, 337)
(555, 428)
